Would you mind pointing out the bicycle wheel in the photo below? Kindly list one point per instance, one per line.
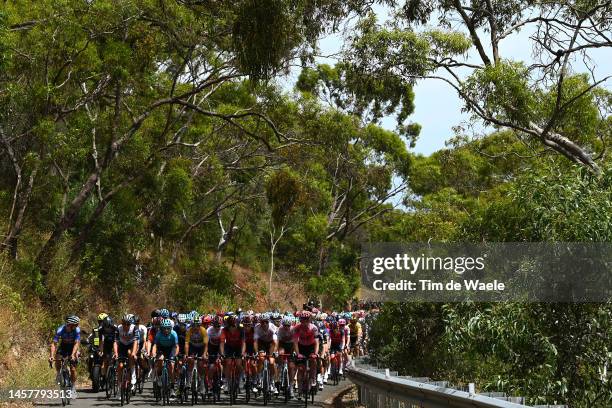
(194, 384)
(109, 382)
(285, 382)
(95, 378)
(265, 383)
(63, 387)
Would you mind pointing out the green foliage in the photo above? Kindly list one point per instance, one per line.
(336, 287)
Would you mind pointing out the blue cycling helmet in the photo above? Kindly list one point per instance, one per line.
(174, 315)
(164, 313)
(166, 324)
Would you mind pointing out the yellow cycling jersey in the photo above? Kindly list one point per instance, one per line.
(196, 336)
(355, 329)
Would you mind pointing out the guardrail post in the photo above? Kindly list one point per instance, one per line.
(472, 388)
(359, 394)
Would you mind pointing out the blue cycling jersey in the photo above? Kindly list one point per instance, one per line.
(169, 340)
(67, 337)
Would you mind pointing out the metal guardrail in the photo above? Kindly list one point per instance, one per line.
(381, 388)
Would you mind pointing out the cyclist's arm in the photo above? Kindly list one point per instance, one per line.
(77, 343)
(187, 340)
(116, 347)
(274, 345)
(205, 340)
(53, 348)
(222, 343)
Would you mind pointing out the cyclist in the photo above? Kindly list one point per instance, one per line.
(266, 342)
(108, 333)
(323, 350)
(347, 335)
(126, 345)
(285, 346)
(248, 325)
(306, 342)
(68, 336)
(355, 337)
(180, 328)
(165, 346)
(232, 345)
(196, 344)
(141, 356)
(214, 344)
(336, 339)
(93, 341)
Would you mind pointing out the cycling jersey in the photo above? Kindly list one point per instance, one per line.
(305, 334)
(336, 336)
(249, 336)
(214, 336)
(196, 336)
(67, 337)
(166, 340)
(355, 330)
(108, 333)
(181, 333)
(143, 333)
(232, 338)
(265, 334)
(127, 336)
(284, 334)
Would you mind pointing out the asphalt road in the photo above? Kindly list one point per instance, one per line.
(86, 398)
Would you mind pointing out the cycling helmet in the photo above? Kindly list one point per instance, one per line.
(265, 317)
(230, 319)
(250, 312)
(102, 316)
(207, 319)
(287, 321)
(182, 318)
(196, 318)
(127, 318)
(164, 313)
(217, 321)
(136, 319)
(247, 320)
(305, 315)
(166, 324)
(72, 319)
(155, 313)
(342, 322)
(276, 316)
(330, 319)
(107, 322)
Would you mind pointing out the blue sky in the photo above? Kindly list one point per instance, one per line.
(437, 106)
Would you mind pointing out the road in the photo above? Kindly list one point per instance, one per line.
(88, 399)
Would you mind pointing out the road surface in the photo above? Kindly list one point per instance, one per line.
(88, 399)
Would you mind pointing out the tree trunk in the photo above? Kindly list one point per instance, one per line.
(48, 251)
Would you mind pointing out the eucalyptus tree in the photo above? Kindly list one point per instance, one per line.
(461, 43)
(94, 94)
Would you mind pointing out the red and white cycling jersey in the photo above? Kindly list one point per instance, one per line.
(305, 334)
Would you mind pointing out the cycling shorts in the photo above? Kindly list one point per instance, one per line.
(124, 350)
(196, 350)
(233, 352)
(306, 350)
(264, 346)
(167, 352)
(335, 348)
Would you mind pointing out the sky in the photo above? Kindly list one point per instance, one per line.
(437, 106)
